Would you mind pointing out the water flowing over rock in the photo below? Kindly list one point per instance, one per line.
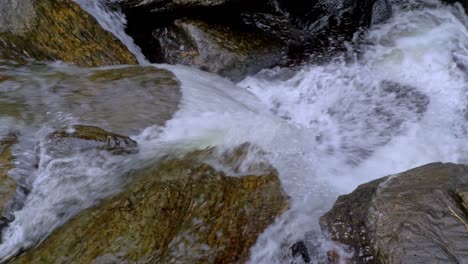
(81, 138)
(178, 211)
(416, 216)
(217, 49)
(57, 30)
(122, 99)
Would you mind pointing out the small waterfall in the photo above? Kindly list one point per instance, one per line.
(326, 129)
(113, 21)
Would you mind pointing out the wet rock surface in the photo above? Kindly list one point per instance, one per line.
(217, 49)
(123, 99)
(57, 30)
(417, 216)
(7, 184)
(177, 211)
(252, 35)
(393, 103)
(81, 138)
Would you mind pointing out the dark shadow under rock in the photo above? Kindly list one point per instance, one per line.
(217, 49)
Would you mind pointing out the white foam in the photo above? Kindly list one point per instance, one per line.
(415, 48)
(326, 129)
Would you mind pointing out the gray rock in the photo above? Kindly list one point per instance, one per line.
(417, 216)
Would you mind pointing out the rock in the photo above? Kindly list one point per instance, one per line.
(299, 249)
(141, 97)
(417, 216)
(276, 25)
(216, 48)
(365, 129)
(82, 138)
(177, 211)
(7, 184)
(214, 35)
(171, 5)
(362, 12)
(57, 30)
(123, 99)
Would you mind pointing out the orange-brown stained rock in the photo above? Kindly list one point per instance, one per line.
(7, 184)
(57, 30)
(179, 211)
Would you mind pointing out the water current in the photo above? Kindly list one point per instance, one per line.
(399, 103)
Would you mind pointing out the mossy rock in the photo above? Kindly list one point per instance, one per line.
(7, 184)
(177, 211)
(57, 30)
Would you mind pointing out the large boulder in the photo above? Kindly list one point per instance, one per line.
(417, 216)
(216, 48)
(177, 211)
(57, 30)
(121, 99)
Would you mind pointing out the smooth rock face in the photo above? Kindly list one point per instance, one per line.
(123, 99)
(57, 30)
(217, 49)
(178, 211)
(417, 216)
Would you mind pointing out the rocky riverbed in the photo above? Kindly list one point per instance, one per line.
(227, 131)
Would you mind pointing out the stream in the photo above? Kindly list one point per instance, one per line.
(400, 102)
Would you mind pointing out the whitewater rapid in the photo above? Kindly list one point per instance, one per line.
(401, 103)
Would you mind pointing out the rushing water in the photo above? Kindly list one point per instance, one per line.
(113, 21)
(326, 128)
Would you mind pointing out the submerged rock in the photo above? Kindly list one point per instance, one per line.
(80, 138)
(178, 211)
(57, 30)
(417, 216)
(216, 48)
(122, 99)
